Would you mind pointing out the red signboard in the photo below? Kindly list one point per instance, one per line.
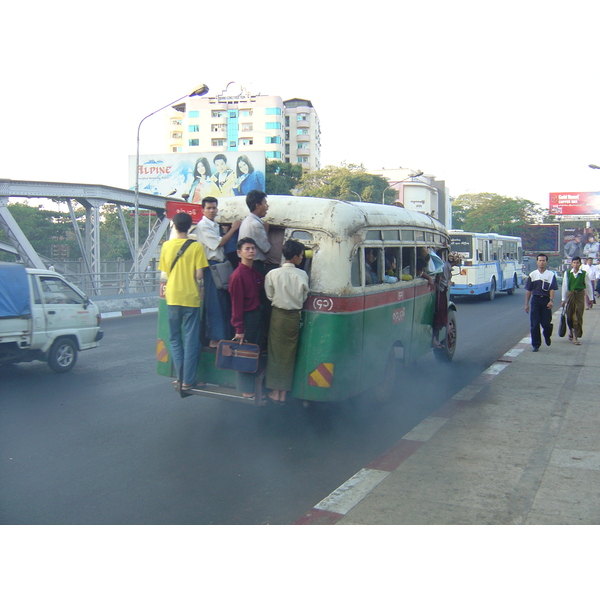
(575, 203)
(195, 210)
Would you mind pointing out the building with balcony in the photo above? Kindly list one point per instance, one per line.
(236, 120)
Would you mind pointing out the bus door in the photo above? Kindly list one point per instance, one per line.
(500, 258)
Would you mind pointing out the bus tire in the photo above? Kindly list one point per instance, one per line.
(62, 355)
(446, 354)
(383, 391)
(492, 293)
(511, 291)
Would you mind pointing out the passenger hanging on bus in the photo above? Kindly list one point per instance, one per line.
(287, 289)
(442, 285)
(422, 264)
(216, 301)
(246, 287)
(255, 228)
(185, 273)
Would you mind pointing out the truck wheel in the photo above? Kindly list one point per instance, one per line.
(62, 355)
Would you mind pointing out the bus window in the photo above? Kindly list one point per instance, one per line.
(391, 235)
(392, 264)
(373, 266)
(301, 236)
(422, 260)
(408, 262)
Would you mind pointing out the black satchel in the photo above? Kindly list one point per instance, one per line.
(221, 272)
(562, 328)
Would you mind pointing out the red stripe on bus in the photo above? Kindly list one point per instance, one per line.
(330, 304)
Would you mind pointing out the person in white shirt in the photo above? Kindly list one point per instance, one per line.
(576, 286)
(254, 227)
(592, 270)
(287, 289)
(217, 305)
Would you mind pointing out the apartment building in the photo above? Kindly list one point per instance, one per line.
(236, 120)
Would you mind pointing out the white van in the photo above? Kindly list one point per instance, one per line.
(44, 317)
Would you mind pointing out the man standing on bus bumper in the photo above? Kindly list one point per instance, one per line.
(540, 289)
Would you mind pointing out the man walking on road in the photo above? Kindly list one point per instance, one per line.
(540, 289)
(576, 286)
(592, 270)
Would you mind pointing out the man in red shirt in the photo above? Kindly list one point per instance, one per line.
(246, 287)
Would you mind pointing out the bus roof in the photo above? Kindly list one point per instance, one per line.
(328, 215)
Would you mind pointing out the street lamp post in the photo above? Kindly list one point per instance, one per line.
(203, 89)
(356, 194)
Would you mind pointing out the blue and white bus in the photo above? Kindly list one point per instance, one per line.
(490, 263)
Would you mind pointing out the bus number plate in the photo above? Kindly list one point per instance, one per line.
(324, 304)
(398, 315)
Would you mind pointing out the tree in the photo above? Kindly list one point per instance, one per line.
(345, 183)
(45, 229)
(113, 244)
(281, 177)
(489, 212)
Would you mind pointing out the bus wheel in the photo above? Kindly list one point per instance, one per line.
(446, 354)
(511, 290)
(383, 391)
(492, 292)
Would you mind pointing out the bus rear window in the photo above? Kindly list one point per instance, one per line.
(462, 244)
(301, 236)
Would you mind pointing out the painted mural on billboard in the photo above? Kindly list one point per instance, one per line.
(575, 203)
(581, 238)
(193, 176)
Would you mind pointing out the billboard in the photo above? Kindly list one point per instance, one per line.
(575, 203)
(193, 176)
(539, 238)
(580, 238)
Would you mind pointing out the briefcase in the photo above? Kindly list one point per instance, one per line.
(237, 357)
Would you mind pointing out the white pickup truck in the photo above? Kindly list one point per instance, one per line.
(44, 317)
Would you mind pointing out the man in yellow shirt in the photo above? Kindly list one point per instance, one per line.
(184, 278)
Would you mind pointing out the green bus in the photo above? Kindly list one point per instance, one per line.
(356, 329)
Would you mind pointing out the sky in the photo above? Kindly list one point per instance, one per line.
(490, 97)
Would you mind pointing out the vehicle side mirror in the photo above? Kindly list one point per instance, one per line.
(86, 302)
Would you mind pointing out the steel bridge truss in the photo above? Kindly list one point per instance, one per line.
(92, 198)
